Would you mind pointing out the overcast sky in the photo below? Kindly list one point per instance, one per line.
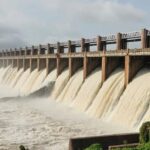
(33, 22)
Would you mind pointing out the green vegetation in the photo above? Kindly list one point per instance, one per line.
(145, 132)
(94, 147)
(125, 148)
(145, 146)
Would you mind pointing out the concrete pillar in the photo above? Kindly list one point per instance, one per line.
(1, 61)
(85, 65)
(71, 48)
(118, 41)
(33, 62)
(132, 65)
(17, 55)
(38, 59)
(15, 60)
(60, 49)
(50, 62)
(7, 60)
(50, 50)
(104, 46)
(11, 60)
(99, 44)
(144, 39)
(90, 63)
(85, 47)
(82, 45)
(20, 60)
(26, 62)
(3, 55)
(109, 64)
(41, 62)
(62, 63)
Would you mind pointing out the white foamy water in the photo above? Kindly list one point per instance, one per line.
(134, 102)
(38, 82)
(26, 88)
(9, 75)
(72, 88)
(22, 80)
(17, 76)
(60, 83)
(46, 124)
(43, 124)
(108, 95)
(50, 78)
(88, 91)
(3, 73)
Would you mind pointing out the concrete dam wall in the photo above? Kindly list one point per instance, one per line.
(109, 84)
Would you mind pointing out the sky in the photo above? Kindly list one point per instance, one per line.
(33, 22)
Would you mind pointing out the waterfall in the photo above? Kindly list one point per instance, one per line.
(134, 102)
(108, 95)
(88, 91)
(71, 89)
(60, 83)
(110, 101)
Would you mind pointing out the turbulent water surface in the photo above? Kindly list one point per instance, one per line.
(73, 107)
(40, 124)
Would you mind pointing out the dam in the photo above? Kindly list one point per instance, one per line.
(111, 84)
(63, 55)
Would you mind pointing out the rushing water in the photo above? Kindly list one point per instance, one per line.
(71, 89)
(60, 83)
(108, 95)
(49, 123)
(88, 91)
(134, 103)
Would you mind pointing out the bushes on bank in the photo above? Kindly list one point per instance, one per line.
(145, 132)
(144, 146)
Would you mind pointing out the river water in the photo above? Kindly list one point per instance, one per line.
(41, 124)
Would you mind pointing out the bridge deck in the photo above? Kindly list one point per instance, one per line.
(119, 53)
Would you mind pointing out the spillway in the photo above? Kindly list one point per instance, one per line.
(21, 82)
(50, 78)
(16, 77)
(4, 73)
(88, 91)
(72, 88)
(107, 101)
(37, 84)
(60, 83)
(134, 103)
(29, 82)
(9, 75)
(108, 95)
